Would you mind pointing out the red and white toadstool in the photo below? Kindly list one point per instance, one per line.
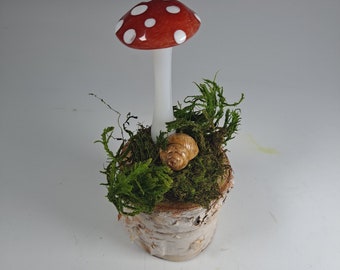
(158, 25)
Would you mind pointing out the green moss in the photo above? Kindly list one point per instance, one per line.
(136, 178)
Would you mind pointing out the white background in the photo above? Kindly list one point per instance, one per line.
(284, 55)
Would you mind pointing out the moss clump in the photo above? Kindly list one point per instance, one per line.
(136, 178)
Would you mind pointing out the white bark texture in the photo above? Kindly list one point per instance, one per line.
(178, 231)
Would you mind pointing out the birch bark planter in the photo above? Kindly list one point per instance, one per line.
(178, 231)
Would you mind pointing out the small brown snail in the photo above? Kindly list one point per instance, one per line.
(180, 150)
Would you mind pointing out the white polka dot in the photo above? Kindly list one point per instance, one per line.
(129, 36)
(197, 17)
(150, 22)
(118, 25)
(180, 36)
(173, 9)
(139, 10)
(143, 38)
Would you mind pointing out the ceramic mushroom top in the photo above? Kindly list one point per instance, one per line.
(157, 24)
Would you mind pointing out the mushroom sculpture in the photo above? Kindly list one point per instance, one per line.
(158, 25)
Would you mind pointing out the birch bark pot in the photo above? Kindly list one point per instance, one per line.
(151, 183)
(178, 231)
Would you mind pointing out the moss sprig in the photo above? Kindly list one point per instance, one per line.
(202, 114)
(136, 180)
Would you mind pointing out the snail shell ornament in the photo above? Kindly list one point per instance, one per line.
(180, 150)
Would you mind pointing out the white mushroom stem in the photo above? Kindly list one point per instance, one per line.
(163, 111)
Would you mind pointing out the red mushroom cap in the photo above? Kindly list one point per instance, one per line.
(157, 24)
